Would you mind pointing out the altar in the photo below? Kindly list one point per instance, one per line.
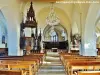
(58, 44)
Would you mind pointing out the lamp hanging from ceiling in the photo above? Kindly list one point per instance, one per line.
(52, 19)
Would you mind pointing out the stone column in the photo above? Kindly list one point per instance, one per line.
(12, 16)
(88, 41)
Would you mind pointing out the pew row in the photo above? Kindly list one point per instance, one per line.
(26, 64)
(23, 66)
(88, 73)
(8, 72)
(74, 63)
(76, 66)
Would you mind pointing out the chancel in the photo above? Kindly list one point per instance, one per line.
(52, 32)
(49, 37)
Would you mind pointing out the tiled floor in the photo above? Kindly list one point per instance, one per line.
(52, 65)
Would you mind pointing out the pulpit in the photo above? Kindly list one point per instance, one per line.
(31, 23)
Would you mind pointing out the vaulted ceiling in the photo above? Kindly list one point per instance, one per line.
(66, 12)
(63, 10)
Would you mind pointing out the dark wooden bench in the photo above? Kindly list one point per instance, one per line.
(8, 72)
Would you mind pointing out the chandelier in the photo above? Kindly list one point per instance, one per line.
(52, 19)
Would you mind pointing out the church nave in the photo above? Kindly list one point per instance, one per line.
(49, 37)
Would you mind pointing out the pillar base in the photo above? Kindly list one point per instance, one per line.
(90, 52)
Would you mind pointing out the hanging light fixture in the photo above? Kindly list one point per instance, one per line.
(52, 19)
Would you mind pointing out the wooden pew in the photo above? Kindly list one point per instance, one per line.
(15, 58)
(11, 61)
(41, 55)
(70, 60)
(22, 61)
(75, 58)
(8, 72)
(81, 65)
(20, 65)
(88, 73)
(65, 58)
(32, 63)
(37, 57)
(28, 69)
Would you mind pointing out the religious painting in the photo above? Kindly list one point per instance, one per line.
(76, 39)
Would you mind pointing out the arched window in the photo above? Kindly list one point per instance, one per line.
(54, 36)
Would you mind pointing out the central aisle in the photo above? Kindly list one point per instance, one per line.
(52, 65)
